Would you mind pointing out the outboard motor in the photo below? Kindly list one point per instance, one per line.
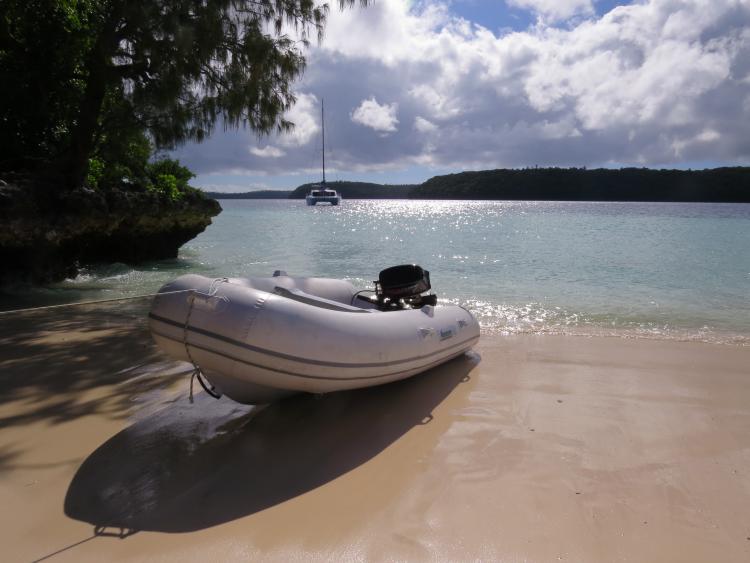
(402, 286)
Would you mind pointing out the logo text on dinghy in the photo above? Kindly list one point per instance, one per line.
(445, 334)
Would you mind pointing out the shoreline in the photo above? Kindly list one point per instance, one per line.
(532, 447)
(731, 339)
(88, 298)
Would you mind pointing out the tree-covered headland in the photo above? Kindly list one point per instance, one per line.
(730, 184)
(93, 90)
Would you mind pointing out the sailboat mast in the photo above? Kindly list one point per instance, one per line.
(323, 124)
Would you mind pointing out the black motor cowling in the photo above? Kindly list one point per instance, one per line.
(404, 284)
(406, 280)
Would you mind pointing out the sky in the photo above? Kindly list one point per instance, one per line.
(421, 88)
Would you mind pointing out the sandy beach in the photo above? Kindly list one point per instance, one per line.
(532, 448)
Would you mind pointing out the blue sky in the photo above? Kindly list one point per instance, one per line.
(497, 15)
(415, 89)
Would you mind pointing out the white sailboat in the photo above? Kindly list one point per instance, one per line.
(320, 193)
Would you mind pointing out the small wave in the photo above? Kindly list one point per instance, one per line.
(535, 318)
(99, 277)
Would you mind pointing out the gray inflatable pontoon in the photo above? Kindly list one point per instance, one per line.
(259, 339)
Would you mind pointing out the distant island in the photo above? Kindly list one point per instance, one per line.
(729, 185)
(602, 184)
(257, 194)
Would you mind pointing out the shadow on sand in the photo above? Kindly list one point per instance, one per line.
(67, 364)
(189, 467)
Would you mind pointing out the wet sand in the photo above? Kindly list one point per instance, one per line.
(532, 448)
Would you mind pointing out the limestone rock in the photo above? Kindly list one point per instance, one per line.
(46, 233)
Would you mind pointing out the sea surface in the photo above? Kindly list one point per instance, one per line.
(656, 270)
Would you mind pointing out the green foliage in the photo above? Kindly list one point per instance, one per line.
(96, 172)
(126, 161)
(166, 186)
(123, 162)
(168, 178)
(173, 168)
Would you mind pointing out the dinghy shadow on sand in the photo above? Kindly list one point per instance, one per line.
(190, 467)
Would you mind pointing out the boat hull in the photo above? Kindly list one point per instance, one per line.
(258, 340)
(312, 200)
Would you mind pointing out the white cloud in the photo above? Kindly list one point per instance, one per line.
(555, 10)
(305, 115)
(565, 128)
(628, 83)
(651, 82)
(267, 152)
(376, 116)
(387, 30)
(436, 105)
(424, 125)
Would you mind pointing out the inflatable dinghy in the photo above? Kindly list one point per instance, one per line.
(257, 340)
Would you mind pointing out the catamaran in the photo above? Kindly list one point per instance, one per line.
(319, 193)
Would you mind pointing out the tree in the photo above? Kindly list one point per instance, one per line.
(41, 47)
(171, 68)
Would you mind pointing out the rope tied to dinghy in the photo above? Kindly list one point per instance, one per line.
(197, 372)
(95, 302)
(213, 288)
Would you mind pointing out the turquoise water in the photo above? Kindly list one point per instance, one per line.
(626, 269)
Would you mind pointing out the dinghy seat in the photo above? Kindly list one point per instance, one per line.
(315, 301)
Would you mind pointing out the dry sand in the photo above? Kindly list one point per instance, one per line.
(533, 448)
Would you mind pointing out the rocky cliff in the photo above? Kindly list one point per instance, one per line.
(46, 233)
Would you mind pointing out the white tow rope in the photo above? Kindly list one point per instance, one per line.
(79, 303)
(197, 373)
